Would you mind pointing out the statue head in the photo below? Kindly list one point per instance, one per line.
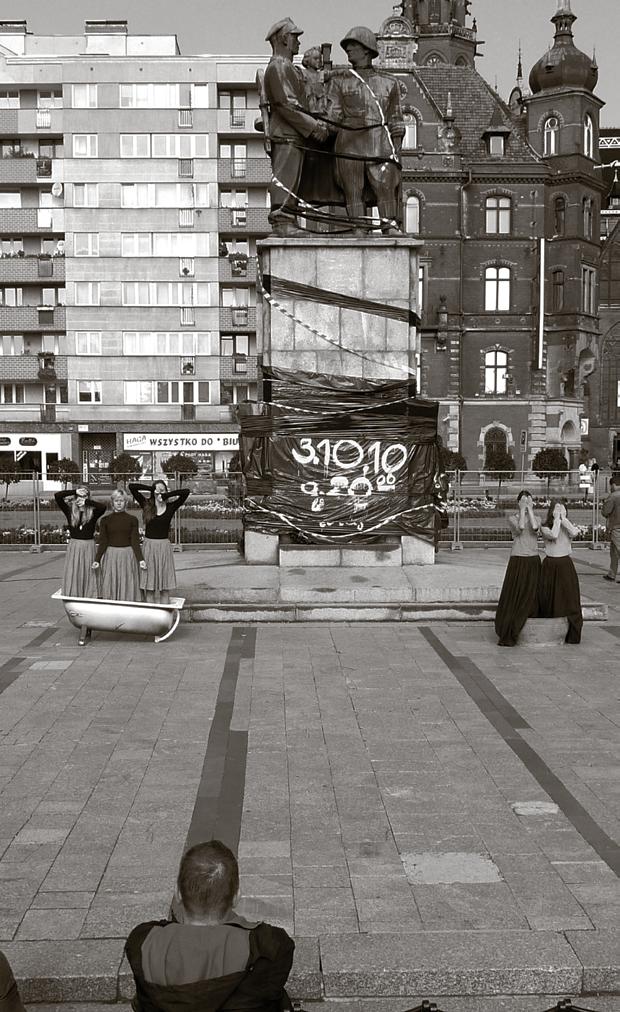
(360, 45)
(284, 37)
(312, 58)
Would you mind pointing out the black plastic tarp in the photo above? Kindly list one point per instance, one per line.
(339, 459)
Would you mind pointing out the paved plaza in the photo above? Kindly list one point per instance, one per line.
(430, 816)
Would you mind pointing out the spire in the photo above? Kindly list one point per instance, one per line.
(520, 67)
(564, 19)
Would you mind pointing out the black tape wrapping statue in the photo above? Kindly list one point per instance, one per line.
(332, 459)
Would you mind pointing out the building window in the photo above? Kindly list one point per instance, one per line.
(85, 145)
(412, 215)
(135, 145)
(149, 96)
(11, 296)
(559, 215)
(136, 244)
(495, 369)
(588, 217)
(50, 99)
(235, 393)
(238, 154)
(84, 96)
(10, 198)
(180, 145)
(89, 392)
(176, 343)
(497, 145)
(12, 393)
(551, 136)
(497, 289)
(9, 99)
(87, 293)
(557, 289)
(588, 137)
(498, 215)
(235, 297)
(86, 244)
(410, 140)
(86, 195)
(88, 342)
(588, 290)
(165, 293)
(167, 392)
(234, 344)
(495, 441)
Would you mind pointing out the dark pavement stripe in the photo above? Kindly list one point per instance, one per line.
(41, 637)
(613, 630)
(219, 801)
(9, 672)
(469, 677)
(27, 569)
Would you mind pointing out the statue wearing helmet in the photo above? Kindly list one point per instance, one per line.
(364, 105)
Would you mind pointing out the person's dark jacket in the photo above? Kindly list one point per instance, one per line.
(257, 988)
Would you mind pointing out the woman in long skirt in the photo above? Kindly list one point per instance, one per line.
(158, 508)
(82, 513)
(119, 552)
(559, 595)
(518, 600)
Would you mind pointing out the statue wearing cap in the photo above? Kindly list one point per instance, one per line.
(364, 104)
(290, 127)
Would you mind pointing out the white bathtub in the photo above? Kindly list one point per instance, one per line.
(88, 613)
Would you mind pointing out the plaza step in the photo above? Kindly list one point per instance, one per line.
(538, 631)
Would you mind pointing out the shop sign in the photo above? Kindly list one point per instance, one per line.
(45, 442)
(179, 442)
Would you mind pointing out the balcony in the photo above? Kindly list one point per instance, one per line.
(188, 317)
(17, 319)
(237, 318)
(188, 412)
(186, 217)
(237, 121)
(44, 168)
(30, 268)
(27, 368)
(185, 168)
(251, 220)
(231, 268)
(47, 367)
(32, 220)
(239, 368)
(18, 169)
(252, 170)
(186, 118)
(48, 413)
(43, 119)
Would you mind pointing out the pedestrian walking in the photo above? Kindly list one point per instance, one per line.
(559, 595)
(119, 552)
(518, 599)
(611, 511)
(82, 513)
(158, 509)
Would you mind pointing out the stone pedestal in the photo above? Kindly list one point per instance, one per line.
(417, 552)
(260, 549)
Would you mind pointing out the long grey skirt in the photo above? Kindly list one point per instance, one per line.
(159, 574)
(79, 579)
(120, 580)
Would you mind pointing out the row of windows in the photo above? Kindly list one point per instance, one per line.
(498, 215)
(151, 95)
(146, 244)
(146, 145)
(142, 392)
(12, 296)
(149, 293)
(552, 132)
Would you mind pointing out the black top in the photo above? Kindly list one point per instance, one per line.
(119, 530)
(82, 531)
(158, 527)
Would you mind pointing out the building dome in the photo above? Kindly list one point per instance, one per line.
(564, 66)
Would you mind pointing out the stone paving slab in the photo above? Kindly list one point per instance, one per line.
(498, 1003)
(389, 781)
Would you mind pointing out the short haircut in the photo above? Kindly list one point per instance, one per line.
(523, 492)
(208, 879)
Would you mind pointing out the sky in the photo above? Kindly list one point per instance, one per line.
(239, 26)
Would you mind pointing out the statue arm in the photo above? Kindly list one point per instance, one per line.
(394, 116)
(282, 88)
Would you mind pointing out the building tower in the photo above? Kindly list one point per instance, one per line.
(563, 128)
(443, 36)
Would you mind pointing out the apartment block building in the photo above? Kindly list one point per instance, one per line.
(133, 187)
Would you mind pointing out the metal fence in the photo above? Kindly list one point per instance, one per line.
(30, 517)
(480, 502)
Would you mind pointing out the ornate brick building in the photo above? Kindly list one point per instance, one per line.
(507, 198)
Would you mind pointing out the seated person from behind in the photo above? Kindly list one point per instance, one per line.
(209, 958)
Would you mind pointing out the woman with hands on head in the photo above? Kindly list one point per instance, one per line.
(559, 595)
(158, 508)
(82, 514)
(518, 600)
(119, 552)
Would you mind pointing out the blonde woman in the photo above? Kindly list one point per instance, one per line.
(82, 514)
(119, 553)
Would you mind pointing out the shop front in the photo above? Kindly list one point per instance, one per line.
(211, 451)
(33, 453)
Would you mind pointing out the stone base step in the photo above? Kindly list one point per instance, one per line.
(387, 553)
(360, 612)
(498, 1003)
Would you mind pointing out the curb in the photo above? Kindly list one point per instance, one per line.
(334, 612)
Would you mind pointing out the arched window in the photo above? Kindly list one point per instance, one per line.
(559, 215)
(494, 440)
(495, 369)
(410, 140)
(557, 289)
(588, 137)
(498, 215)
(497, 289)
(412, 214)
(588, 217)
(551, 136)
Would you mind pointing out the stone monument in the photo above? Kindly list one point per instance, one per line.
(340, 453)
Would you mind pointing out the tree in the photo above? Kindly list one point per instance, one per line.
(179, 463)
(62, 470)
(124, 467)
(502, 464)
(550, 463)
(10, 473)
(451, 460)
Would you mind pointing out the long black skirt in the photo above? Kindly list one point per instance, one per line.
(559, 596)
(518, 600)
